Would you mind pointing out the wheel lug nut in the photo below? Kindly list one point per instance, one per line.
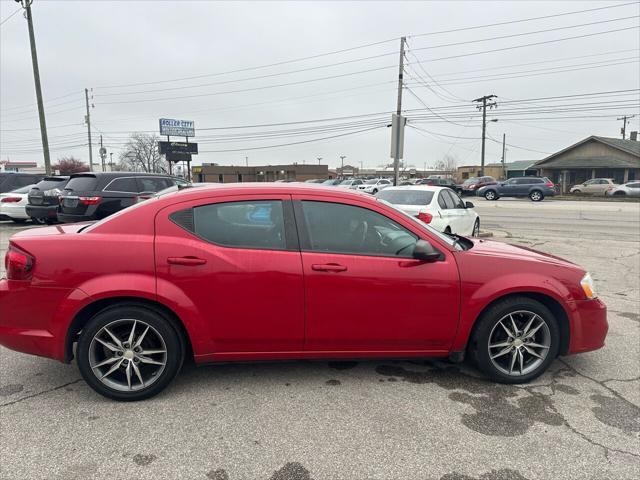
(136, 359)
(125, 345)
(119, 354)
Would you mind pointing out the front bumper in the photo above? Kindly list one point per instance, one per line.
(42, 211)
(589, 327)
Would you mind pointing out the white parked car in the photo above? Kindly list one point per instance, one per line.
(352, 184)
(374, 186)
(629, 189)
(12, 204)
(440, 207)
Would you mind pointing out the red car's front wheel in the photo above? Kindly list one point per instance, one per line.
(516, 340)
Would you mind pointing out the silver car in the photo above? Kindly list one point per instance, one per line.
(595, 186)
(629, 189)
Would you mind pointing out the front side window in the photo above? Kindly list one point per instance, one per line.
(455, 199)
(340, 228)
(127, 184)
(248, 224)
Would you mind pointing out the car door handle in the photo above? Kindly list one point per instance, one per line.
(328, 267)
(186, 261)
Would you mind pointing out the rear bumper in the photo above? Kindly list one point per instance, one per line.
(589, 327)
(11, 212)
(42, 211)
(35, 320)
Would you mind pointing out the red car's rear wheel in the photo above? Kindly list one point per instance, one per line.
(129, 352)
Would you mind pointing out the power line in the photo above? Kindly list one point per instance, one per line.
(7, 19)
(512, 35)
(575, 12)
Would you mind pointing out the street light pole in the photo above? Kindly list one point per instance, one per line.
(26, 4)
(342, 157)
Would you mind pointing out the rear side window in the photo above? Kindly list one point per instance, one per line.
(153, 184)
(247, 224)
(126, 184)
(633, 185)
(85, 183)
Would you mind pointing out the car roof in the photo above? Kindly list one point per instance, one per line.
(118, 174)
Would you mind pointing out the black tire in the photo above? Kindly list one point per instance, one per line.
(37, 221)
(491, 195)
(50, 221)
(476, 228)
(536, 196)
(175, 349)
(375, 190)
(479, 344)
(577, 192)
(19, 220)
(619, 194)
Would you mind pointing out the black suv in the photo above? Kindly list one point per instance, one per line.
(536, 188)
(93, 196)
(441, 182)
(42, 204)
(10, 181)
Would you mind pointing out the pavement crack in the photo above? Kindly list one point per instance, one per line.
(53, 389)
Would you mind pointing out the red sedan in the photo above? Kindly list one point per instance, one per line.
(282, 271)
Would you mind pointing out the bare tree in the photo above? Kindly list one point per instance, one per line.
(69, 165)
(448, 163)
(140, 154)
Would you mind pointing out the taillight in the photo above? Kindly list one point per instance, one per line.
(10, 199)
(18, 264)
(550, 184)
(425, 217)
(89, 200)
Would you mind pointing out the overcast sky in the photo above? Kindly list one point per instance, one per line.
(102, 45)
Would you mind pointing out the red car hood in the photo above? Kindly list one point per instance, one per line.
(500, 249)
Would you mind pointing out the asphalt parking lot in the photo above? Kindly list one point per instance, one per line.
(361, 420)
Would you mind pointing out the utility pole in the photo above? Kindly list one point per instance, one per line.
(342, 157)
(26, 4)
(625, 120)
(319, 159)
(504, 165)
(87, 119)
(397, 151)
(487, 101)
(103, 154)
(246, 161)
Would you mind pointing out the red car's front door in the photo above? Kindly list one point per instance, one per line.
(234, 263)
(364, 292)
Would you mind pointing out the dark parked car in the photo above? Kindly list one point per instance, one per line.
(43, 199)
(536, 188)
(93, 196)
(440, 182)
(471, 185)
(10, 181)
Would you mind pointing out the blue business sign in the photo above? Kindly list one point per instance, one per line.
(177, 128)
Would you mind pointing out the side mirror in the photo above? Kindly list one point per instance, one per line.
(424, 251)
(468, 205)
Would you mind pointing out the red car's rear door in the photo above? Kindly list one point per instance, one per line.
(364, 292)
(236, 260)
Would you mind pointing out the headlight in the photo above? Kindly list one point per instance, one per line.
(587, 286)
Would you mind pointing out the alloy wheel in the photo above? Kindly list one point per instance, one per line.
(519, 343)
(127, 355)
(536, 196)
(490, 195)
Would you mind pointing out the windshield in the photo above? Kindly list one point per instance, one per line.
(328, 182)
(406, 197)
(441, 236)
(50, 183)
(347, 182)
(469, 181)
(371, 182)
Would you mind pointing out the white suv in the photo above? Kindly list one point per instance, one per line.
(374, 186)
